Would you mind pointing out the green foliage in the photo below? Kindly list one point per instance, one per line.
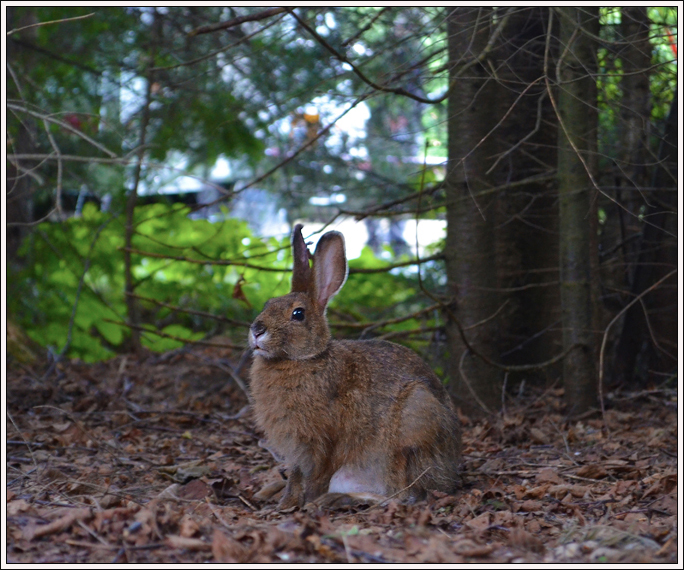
(662, 78)
(43, 295)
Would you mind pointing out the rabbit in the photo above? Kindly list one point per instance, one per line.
(351, 418)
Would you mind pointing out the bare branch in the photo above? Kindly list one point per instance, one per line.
(605, 337)
(417, 261)
(205, 261)
(14, 31)
(399, 90)
(235, 22)
(67, 126)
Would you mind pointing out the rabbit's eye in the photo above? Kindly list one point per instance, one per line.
(298, 314)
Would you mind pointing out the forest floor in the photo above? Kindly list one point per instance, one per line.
(150, 460)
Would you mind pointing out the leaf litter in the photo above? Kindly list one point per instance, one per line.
(156, 460)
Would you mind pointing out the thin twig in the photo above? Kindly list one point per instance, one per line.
(235, 22)
(605, 339)
(173, 337)
(79, 289)
(204, 261)
(236, 378)
(400, 90)
(21, 435)
(14, 31)
(131, 201)
(473, 393)
(191, 312)
(388, 499)
(64, 125)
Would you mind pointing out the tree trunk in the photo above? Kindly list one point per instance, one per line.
(632, 151)
(132, 199)
(20, 185)
(527, 235)
(578, 217)
(652, 346)
(470, 242)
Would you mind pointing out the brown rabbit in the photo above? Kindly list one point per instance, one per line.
(350, 417)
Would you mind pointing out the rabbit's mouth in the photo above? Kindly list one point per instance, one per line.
(260, 351)
(257, 349)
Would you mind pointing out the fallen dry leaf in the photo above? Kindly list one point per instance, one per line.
(186, 543)
(226, 549)
(480, 522)
(592, 471)
(549, 476)
(62, 523)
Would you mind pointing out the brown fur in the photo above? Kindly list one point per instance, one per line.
(369, 415)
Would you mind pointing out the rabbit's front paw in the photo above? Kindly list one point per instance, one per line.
(294, 491)
(289, 501)
(269, 491)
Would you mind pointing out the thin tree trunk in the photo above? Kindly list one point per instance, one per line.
(576, 159)
(129, 287)
(470, 242)
(20, 186)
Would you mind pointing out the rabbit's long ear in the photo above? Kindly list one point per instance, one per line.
(301, 272)
(329, 268)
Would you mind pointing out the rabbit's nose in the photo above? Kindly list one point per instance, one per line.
(258, 328)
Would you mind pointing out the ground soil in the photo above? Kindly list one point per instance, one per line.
(155, 459)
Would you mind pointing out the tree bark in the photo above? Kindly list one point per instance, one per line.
(470, 242)
(654, 343)
(527, 234)
(20, 186)
(577, 214)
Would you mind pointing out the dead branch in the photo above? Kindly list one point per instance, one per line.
(15, 30)
(400, 90)
(205, 261)
(235, 22)
(605, 338)
(418, 261)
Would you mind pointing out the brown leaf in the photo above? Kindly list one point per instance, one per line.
(504, 518)
(16, 507)
(560, 491)
(433, 550)
(222, 487)
(62, 523)
(320, 548)
(226, 549)
(524, 540)
(660, 484)
(549, 476)
(537, 492)
(592, 471)
(239, 294)
(518, 490)
(148, 519)
(188, 526)
(467, 547)
(195, 490)
(538, 436)
(186, 543)
(480, 522)
(531, 506)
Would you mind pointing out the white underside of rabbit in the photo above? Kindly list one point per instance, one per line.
(350, 479)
